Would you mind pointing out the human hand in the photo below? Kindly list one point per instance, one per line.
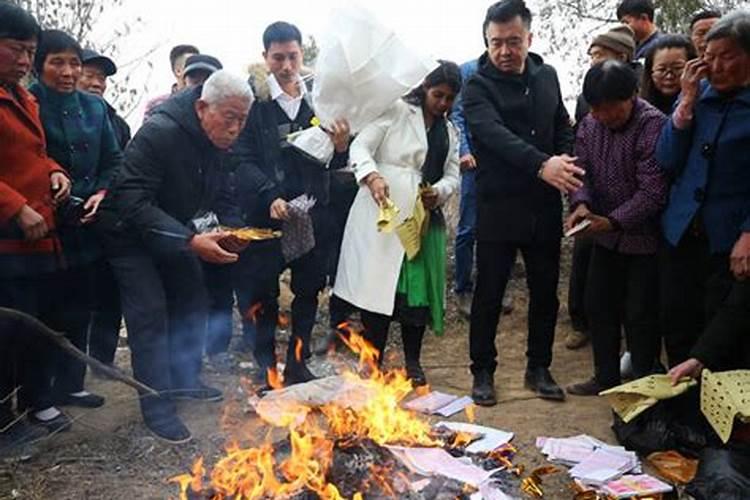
(233, 244)
(467, 162)
(694, 72)
(339, 134)
(577, 216)
(691, 368)
(599, 224)
(31, 223)
(378, 188)
(92, 206)
(206, 246)
(429, 198)
(739, 260)
(60, 185)
(560, 172)
(279, 209)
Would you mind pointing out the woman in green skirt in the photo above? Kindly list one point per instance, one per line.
(406, 160)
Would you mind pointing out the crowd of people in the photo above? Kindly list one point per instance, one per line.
(97, 226)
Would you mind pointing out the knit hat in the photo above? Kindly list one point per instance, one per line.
(202, 62)
(620, 39)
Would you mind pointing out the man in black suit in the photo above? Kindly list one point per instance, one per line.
(523, 138)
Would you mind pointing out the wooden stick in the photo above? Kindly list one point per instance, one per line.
(64, 343)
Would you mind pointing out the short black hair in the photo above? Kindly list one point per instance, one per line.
(54, 42)
(609, 81)
(636, 8)
(281, 32)
(179, 51)
(704, 14)
(17, 24)
(649, 92)
(504, 11)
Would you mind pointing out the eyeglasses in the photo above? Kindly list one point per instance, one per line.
(675, 71)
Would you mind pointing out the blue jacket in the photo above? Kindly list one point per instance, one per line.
(457, 115)
(710, 165)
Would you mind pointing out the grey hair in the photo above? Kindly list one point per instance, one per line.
(222, 85)
(735, 25)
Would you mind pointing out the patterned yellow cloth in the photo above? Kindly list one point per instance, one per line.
(631, 399)
(724, 396)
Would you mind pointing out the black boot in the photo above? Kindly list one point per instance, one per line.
(296, 371)
(540, 380)
(483, 389)
(412, 339)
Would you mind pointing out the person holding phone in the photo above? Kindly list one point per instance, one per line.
(706, 224)
(79, 138)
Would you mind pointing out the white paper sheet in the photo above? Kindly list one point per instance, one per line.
(436, 461)
(492, 438)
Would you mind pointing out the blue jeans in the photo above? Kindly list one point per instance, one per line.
(465, 232)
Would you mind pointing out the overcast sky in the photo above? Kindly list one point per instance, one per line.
(231, 29)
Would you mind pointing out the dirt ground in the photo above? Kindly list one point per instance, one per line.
(109, 454)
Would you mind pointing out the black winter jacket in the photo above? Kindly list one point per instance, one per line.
(517, 122)
(259, 171)
(171, 173)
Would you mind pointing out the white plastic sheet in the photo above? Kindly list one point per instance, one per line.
(361, 70)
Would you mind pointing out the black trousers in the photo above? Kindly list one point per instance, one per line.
(577, 285)
(104, 333)
(693, 285)
(26, 357)
(220, 291)
(376, 332)
(165, 308)
(622, 290)
(495, 260)
(73, 318)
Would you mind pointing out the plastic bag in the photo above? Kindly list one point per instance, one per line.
(723, 473)
(362, 68)
(298, 234)
(205, 222)
(673, 467)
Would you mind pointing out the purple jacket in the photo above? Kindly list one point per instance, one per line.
(623, 181)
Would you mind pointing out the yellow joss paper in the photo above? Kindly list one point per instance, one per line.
(631, 399)
(410, 231)
(724, 396)
(387, 217)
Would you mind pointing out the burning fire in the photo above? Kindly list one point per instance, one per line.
(256, 473)
(254, 311)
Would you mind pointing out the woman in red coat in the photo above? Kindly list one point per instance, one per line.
(31, 186)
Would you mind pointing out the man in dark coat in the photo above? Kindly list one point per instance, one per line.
(263, 149)
(522, 138)
(170, 177)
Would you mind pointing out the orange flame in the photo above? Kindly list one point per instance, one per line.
(254, 311)
(274, 379)
(470, 413)
(282, 321)
(254, 473)
(298, 349)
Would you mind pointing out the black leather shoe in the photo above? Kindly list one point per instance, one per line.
(297, 374)
(87, 401)
(415, 373)
(169, 429)
(60, 423)
(483, 389)
(540, 381)
(588, 388)
(200, 393)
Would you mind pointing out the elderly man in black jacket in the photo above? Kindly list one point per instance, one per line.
(523, 137)
(172, 174)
